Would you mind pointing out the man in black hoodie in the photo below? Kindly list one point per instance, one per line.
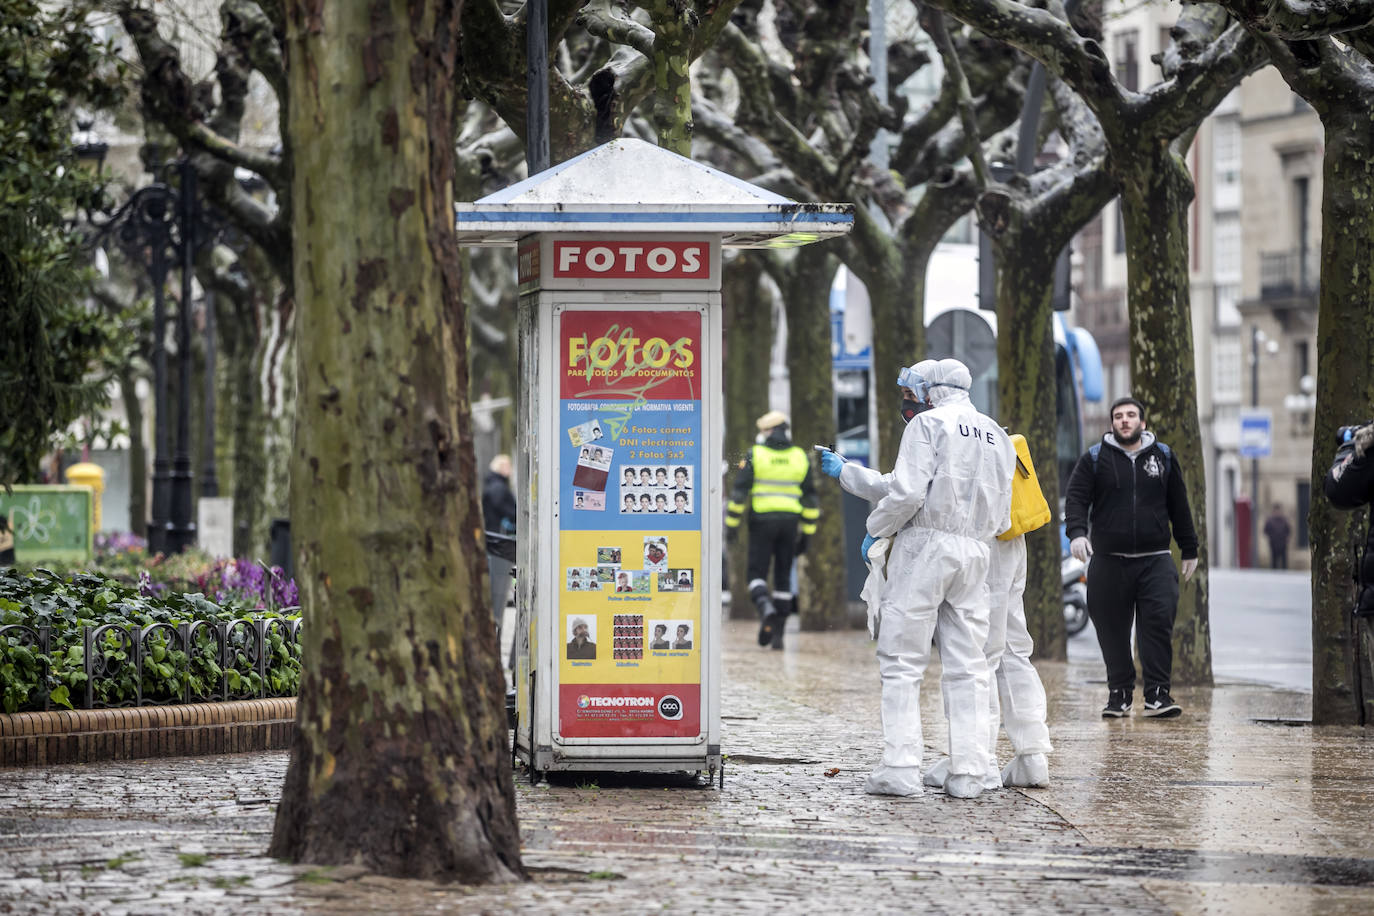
(1131, 489)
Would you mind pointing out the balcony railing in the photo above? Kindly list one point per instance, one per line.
(1287, 274)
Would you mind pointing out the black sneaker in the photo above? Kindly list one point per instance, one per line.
(1118, 704)
(1160, 705)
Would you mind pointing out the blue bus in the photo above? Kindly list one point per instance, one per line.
(955, 327)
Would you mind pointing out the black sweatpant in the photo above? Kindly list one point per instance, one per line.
(773, 542)
(1139, 590)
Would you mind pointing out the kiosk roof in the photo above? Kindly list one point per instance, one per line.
(628, 185)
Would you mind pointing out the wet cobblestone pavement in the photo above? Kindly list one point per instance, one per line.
(1217, 811)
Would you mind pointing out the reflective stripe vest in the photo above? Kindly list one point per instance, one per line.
(778, 476)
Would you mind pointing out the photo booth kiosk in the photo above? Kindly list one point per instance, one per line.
(619, 447)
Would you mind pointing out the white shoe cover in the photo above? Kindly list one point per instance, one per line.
(936, 775)
(939, 771)
(886, 780)
(960, 785)
(1028, 771)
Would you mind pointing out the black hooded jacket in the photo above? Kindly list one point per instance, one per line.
(1132, 504)
(498, 503)
(1349, 484)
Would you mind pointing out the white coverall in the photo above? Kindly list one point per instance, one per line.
(948, 495)
(1022, 708)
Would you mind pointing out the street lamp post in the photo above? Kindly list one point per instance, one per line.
(181, 529)
(159, 224)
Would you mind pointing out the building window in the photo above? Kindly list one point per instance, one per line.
(1302, 366)
(1090, 249)
(1226, 244)
(1126, 67)
(1228, 315)
(1226, 369)
(1226, 150)
(1304, 504)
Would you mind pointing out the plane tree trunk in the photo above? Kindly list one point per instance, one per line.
(1155, 193)
(805, 282)
(1337, 80)
(400, 761)
(1207, 57)
(748, 322)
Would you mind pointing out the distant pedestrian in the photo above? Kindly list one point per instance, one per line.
(775, 484)
(1130, 487)
(1277, 530)
(498, 515)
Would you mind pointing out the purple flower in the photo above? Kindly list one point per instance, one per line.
(284, 592)
(147, 587)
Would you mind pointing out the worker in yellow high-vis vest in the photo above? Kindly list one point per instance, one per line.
(775, 484)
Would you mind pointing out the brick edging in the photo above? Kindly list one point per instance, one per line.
(188, 729)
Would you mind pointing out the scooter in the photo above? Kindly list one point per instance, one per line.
(1074, 574)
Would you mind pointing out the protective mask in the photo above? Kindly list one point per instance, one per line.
(911, 408)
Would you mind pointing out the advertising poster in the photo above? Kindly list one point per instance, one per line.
(630, 525)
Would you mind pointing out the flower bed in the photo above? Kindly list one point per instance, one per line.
(86, 641)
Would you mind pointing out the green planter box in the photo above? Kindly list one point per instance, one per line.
(50, 523)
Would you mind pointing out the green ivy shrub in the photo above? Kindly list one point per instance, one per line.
(70, 603)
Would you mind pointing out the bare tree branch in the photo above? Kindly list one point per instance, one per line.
(934, 24)
(172, 100)
(1049, 38)
(1209, 58)
(602, 19)
(1304, 19)
(262, 49)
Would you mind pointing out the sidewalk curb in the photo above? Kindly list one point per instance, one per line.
(30, 739)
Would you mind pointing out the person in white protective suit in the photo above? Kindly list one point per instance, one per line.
(1022, 708)
(948, 495)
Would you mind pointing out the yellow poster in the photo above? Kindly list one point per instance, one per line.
(630, 607)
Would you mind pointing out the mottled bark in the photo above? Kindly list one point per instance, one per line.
(255, 404)
(748, 323)
(674, 25)
(1028, 235)
(1155, 194)
(1026, 397)
(400, 759)
(1342, 684)
(1338, 82)
(805, 283)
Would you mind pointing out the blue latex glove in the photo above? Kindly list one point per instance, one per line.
(831, 463)
(863, 551)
